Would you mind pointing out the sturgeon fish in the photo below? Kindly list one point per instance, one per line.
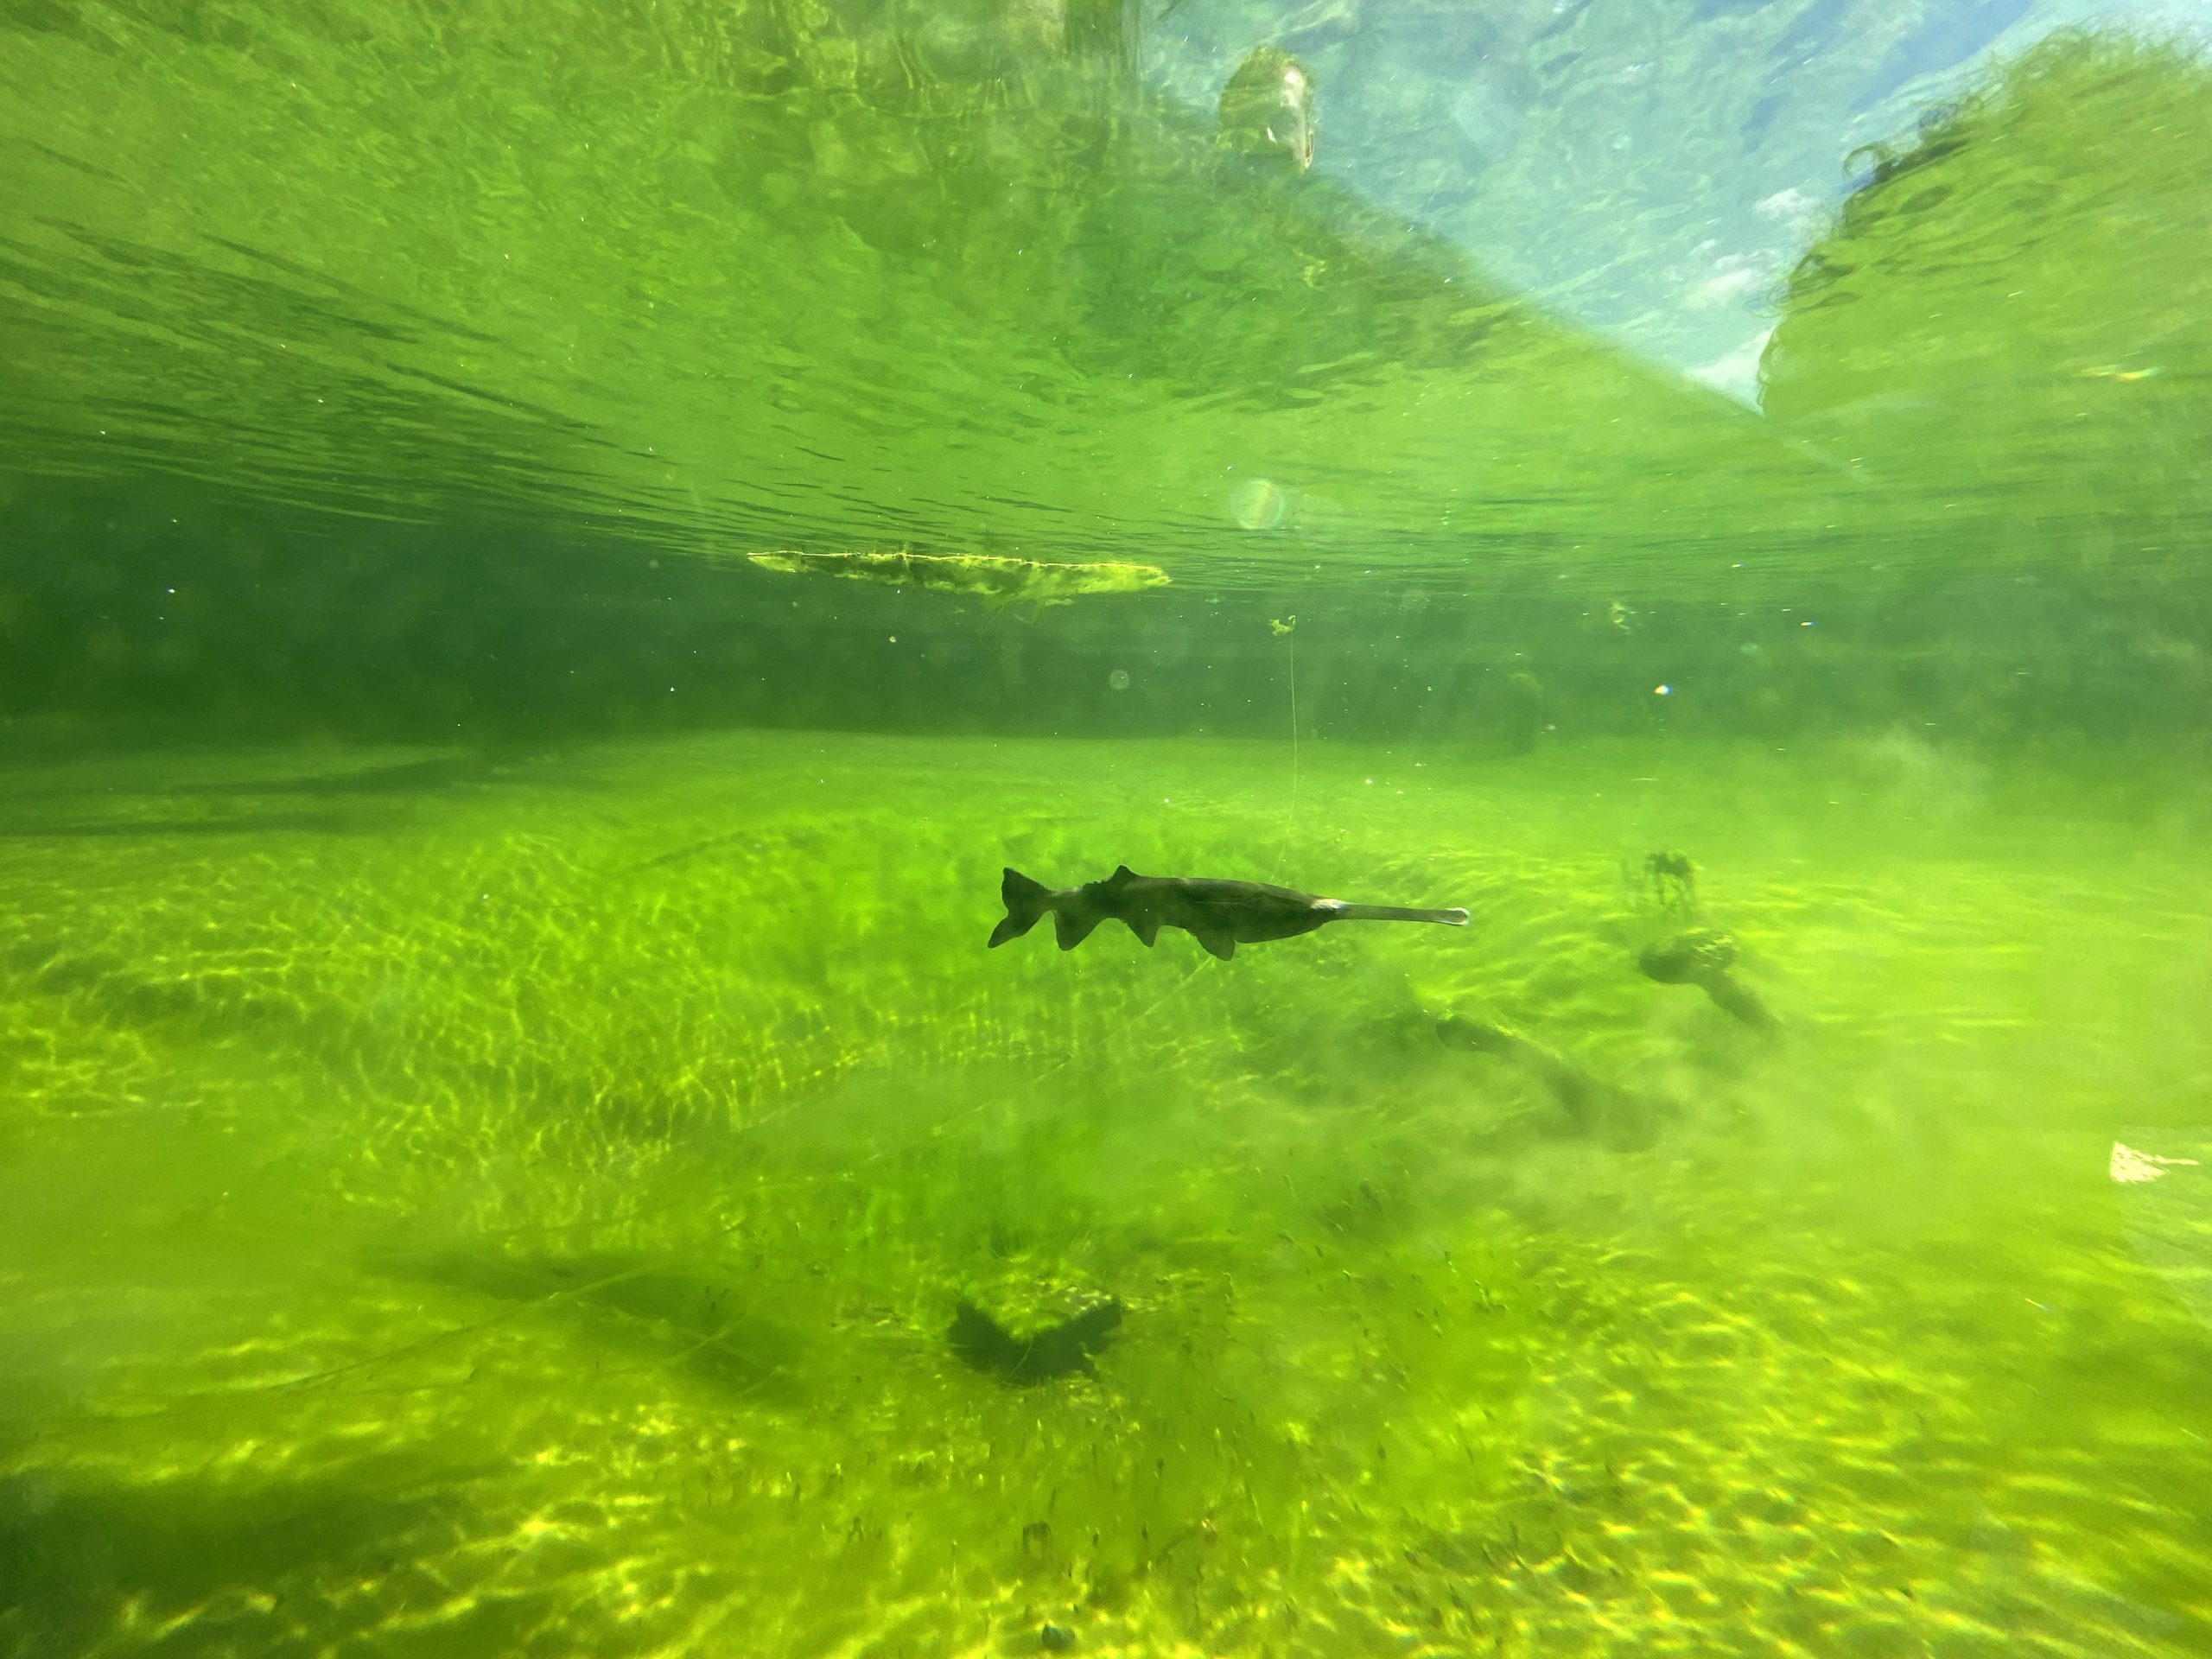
(995, 580)
(1221, 915)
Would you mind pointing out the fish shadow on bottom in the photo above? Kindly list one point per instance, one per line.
(661, 1311)
(1587, 1105)
(1063, 1349)
(78, 1559)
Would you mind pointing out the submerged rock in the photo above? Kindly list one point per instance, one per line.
(1702, 958)
(1690, 958)
(1267, 108)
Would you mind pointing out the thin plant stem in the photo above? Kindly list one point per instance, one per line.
(1292, 642)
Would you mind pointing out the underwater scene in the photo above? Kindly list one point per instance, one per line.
(891, 827)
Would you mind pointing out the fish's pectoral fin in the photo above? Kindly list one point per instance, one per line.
(1148, 932)
(1220, 945)
(1071, 930)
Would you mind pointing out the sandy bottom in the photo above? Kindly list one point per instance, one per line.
(461, 1207)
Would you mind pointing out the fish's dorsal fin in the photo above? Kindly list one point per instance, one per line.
(1122, 873)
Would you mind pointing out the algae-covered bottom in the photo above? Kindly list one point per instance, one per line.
(458, 1205)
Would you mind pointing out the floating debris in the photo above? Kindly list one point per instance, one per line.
(2129, 1166)
(997, 582)
(1259, 504)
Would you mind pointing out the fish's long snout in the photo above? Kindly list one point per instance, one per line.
(1453, 918)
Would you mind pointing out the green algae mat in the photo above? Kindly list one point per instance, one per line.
(457, 1205)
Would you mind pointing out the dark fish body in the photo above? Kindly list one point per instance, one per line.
(1220, 915)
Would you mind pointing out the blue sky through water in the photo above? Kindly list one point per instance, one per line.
(1650, 171)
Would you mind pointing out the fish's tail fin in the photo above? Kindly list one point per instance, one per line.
(1026, 901)
(1453, 918)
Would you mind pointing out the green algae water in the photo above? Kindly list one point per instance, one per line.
(543, 583)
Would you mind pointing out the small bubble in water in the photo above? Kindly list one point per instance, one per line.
(1119, 679)
(1258, 503)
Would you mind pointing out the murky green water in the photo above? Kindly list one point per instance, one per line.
(503, 1096)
